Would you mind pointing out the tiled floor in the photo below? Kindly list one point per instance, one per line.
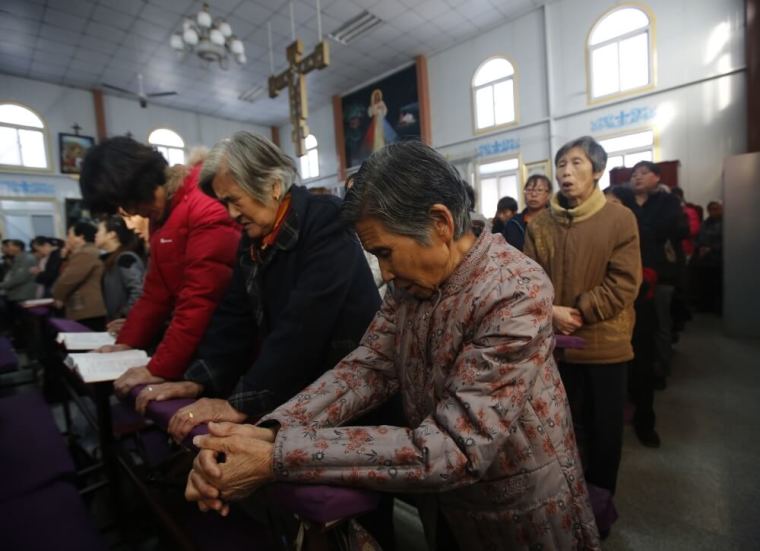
(701, 489)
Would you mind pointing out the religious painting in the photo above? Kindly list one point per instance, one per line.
(384, 112)
(72, 150)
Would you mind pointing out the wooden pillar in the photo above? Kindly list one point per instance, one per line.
(424, 99)
(752, 44)
(100, 115)
(340, 145)
(275, 135)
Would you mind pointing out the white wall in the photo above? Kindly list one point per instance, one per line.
(60, 107)
(698, 118)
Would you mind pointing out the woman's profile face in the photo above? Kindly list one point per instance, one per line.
(416, 268)
(101, 236)
(257, 218)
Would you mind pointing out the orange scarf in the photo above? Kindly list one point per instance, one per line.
(271, 238)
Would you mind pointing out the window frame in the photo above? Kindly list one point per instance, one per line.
(50, 169)
(652, 53)
(157, 145)
(479, 177)
(655, 145)
(306, 156)
(514, 77)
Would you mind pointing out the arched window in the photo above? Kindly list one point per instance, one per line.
(22, 138)
(169, 144)
(310, 161)
(620, 48)
(493, 94)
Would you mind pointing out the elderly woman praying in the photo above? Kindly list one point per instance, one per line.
(465, 336)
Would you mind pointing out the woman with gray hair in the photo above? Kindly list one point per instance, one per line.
(590, 250)
(465, 336)
(300, 299)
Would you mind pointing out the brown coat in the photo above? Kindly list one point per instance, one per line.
(591, 254)
(79, 285)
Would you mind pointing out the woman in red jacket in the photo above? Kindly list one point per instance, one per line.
(192, 250)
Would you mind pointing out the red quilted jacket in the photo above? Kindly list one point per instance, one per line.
(191, 259)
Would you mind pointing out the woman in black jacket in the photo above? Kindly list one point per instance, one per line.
(47, 250)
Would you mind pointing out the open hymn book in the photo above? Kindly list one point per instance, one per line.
(86, 340)
(95, 367)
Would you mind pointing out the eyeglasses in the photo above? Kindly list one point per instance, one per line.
(536, 190)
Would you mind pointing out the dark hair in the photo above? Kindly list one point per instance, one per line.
(400, 183)
(470, 194)
(120, 172)
(128, 240)
(625, 195)
(85, 230)
(595, 152)
(16, 242)
(40, 241)
(536, 178)
(677, 191)
(506, 203)
(649, 165)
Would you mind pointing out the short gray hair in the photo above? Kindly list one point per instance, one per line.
(595, 152)
(400, 183)
(253, 162)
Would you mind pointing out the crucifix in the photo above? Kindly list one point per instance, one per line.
(76, 128)
(293, 79)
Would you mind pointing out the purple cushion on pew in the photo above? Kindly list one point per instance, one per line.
(40, 311)
(52, 517)
(33, 451)
(311, 502)
(63, 325)
(322, 504)
(568, 341)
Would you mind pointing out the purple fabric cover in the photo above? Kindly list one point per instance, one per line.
(314, 503)
(322, 504)
(52, 517)
(568, 341)
(40, 311)
(8, 359)
(33, 451)
(63, 325)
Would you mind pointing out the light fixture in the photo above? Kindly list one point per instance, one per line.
(211, 40)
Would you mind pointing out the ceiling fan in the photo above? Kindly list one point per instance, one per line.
(141, 96)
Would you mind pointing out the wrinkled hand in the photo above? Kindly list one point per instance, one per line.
(567, 320)
(113, 327)
(247, 453)
(34, 270)
(202, 411)
(166, 391)
(132, 377)
(58, 304)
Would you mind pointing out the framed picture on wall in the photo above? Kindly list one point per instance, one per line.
(537, 167)
(72, 149)
(388, 110)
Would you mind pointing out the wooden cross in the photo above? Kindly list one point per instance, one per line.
(76, 128)
(293, 79)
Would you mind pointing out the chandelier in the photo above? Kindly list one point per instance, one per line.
(212, 40)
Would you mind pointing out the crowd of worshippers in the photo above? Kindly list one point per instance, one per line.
(291, 346)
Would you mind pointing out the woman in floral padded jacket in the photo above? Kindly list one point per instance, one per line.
(465, 335)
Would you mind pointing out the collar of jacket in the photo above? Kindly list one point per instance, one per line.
(289, 233)
(582, 212)
(188, 184)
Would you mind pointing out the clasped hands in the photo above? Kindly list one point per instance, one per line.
(566, 320)
(234, 461)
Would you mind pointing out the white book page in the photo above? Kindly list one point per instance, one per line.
(37, 302)
(95, 367)
(85, 341)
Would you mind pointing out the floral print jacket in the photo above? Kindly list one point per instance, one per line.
(489, 442)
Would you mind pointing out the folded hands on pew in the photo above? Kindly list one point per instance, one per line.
(233, 462)
(204, 410)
